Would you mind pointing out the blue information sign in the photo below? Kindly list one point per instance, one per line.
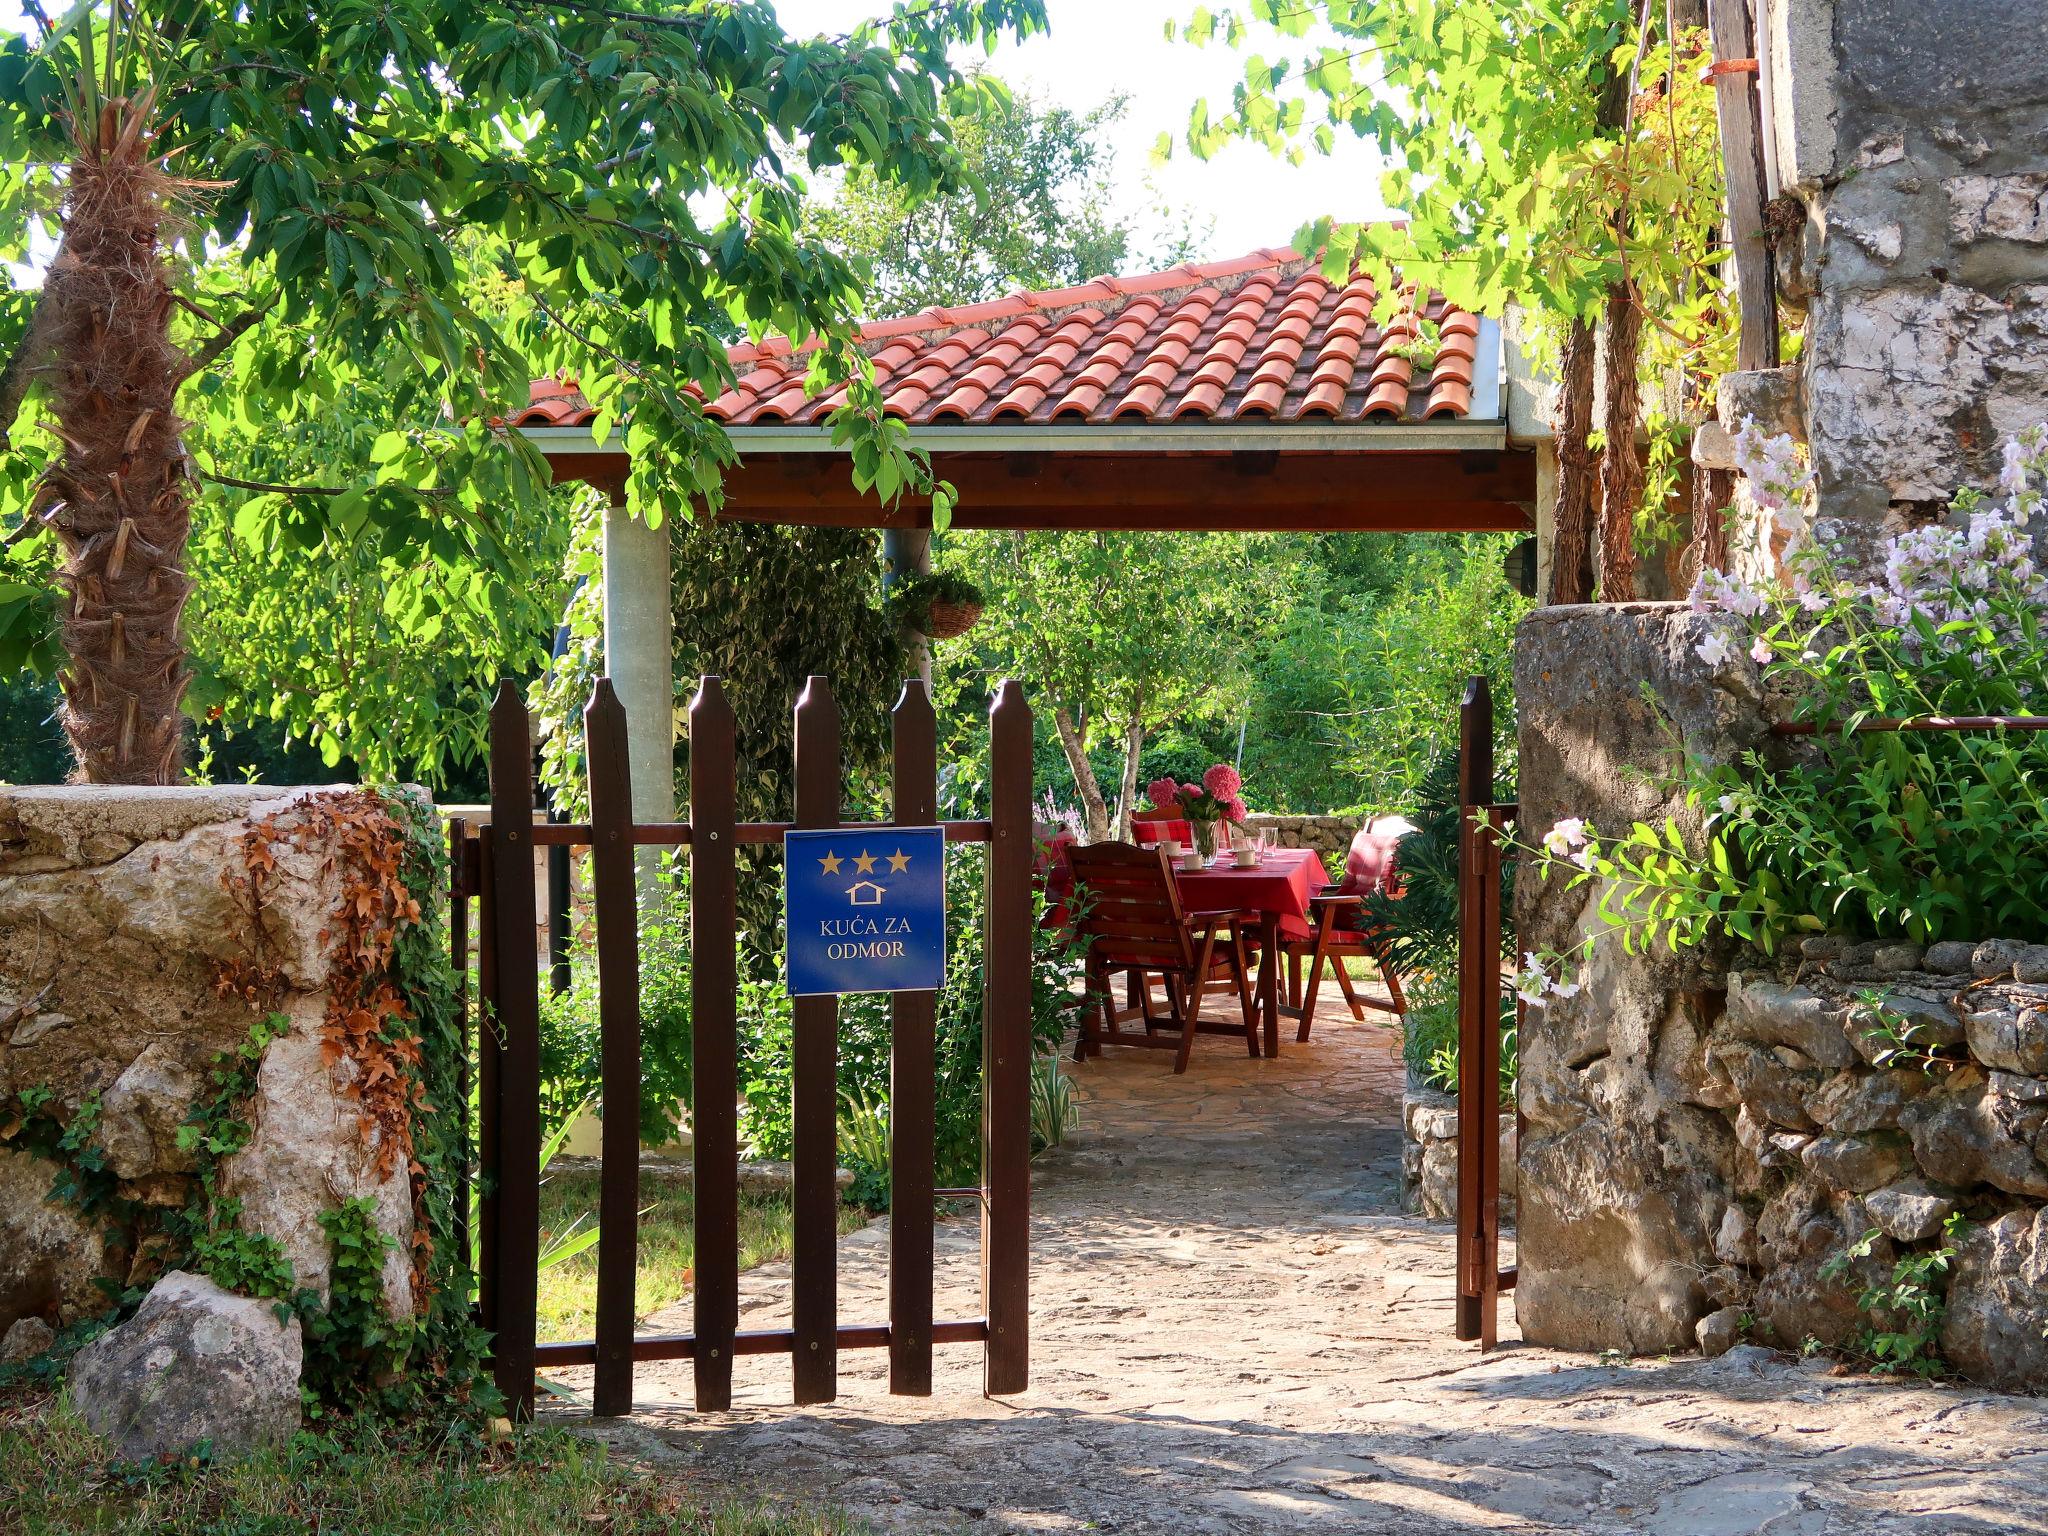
(867, 910)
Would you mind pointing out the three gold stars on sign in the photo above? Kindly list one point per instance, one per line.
(864, 862)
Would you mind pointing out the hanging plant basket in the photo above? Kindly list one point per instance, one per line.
(948, 621)
(939, 604)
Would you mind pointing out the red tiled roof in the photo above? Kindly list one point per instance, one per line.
(1261, 336)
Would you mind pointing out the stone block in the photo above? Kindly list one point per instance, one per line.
(1951, 957)
(1910, 1210)
(196, 1365)
(1858, 1163)
(1995, 1330)
(1719, 1332)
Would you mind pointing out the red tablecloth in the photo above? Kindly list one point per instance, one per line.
(1283, 885)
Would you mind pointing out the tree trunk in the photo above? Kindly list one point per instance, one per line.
(1127, 790)
(118, 490)
(1712, 490)
(1578, 470)
(1075, 745)
(1621, 479)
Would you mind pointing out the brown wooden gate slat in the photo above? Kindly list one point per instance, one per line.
(616, 903)
(913, 1016)
(518, 992)
(815, 1128)
(1006, 1048)
(1478, 1240)
(714, 1124)
(488, 1095)
(461, 889)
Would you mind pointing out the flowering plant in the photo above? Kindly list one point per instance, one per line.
(1929, 835)
(1212, 803)
(1164, 793)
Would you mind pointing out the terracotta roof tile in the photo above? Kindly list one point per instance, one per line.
(1257, 336)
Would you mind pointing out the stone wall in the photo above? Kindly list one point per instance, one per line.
(1625, 1173)
(1912, 133)
(1429, 1156)
(128, 948)
(1706, 1132)
(1328, 835)
(1874, 1092)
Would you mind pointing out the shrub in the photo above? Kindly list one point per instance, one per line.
(571, 1067)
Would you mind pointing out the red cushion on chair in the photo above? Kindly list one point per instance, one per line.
(1369, 865)
(1150, 833)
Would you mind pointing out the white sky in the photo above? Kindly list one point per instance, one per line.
(1096, 48)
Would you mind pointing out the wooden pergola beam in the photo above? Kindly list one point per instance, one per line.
(1456, 491)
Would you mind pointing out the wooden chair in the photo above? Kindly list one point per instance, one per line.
(1129, 913)
(1340, 931)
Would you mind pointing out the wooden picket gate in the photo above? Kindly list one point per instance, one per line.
(1482, 843)
(494, 865)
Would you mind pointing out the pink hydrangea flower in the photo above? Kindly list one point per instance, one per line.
(1191, 790)
(1222, 781)
(1233, 810)
(1162, 793)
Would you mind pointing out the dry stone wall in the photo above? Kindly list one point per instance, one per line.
(1625, 1173)
(1710, 1137)
(1876, 1091)
(1329, 836)
(122, 932)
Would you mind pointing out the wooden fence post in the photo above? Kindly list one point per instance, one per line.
(713, 1043)
(617, 905)
(913, 1017)
(815, 1154)
(518, 994)
(1006, 1049)
(1478, 997)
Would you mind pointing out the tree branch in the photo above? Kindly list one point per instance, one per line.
(228, 334)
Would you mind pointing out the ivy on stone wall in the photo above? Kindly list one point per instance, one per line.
(394, 1013)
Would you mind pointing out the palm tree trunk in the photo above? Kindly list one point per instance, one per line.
(1578, 470)
(1621, 479)
(118, 490)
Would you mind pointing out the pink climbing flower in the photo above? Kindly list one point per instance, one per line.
(1222, 781)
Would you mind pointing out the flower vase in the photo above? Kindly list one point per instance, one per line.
(1206, 835)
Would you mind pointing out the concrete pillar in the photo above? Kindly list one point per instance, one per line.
(639, 629)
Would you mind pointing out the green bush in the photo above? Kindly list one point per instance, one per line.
(571, 1058)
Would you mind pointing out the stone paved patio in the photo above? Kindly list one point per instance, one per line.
(1234, 1330)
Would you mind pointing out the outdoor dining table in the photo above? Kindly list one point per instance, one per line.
(1278, 891)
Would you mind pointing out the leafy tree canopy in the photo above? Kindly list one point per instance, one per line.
(1037, 209)
(429, 204)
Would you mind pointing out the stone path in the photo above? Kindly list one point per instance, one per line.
(1234, 1330)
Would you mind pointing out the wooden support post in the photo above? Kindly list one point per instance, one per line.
(518, 993)
(1742, 161)
(815, 1260)
(713, 1043)
(616, 902)
(913, 1018)
(1478, 986)
(1006, 1049)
